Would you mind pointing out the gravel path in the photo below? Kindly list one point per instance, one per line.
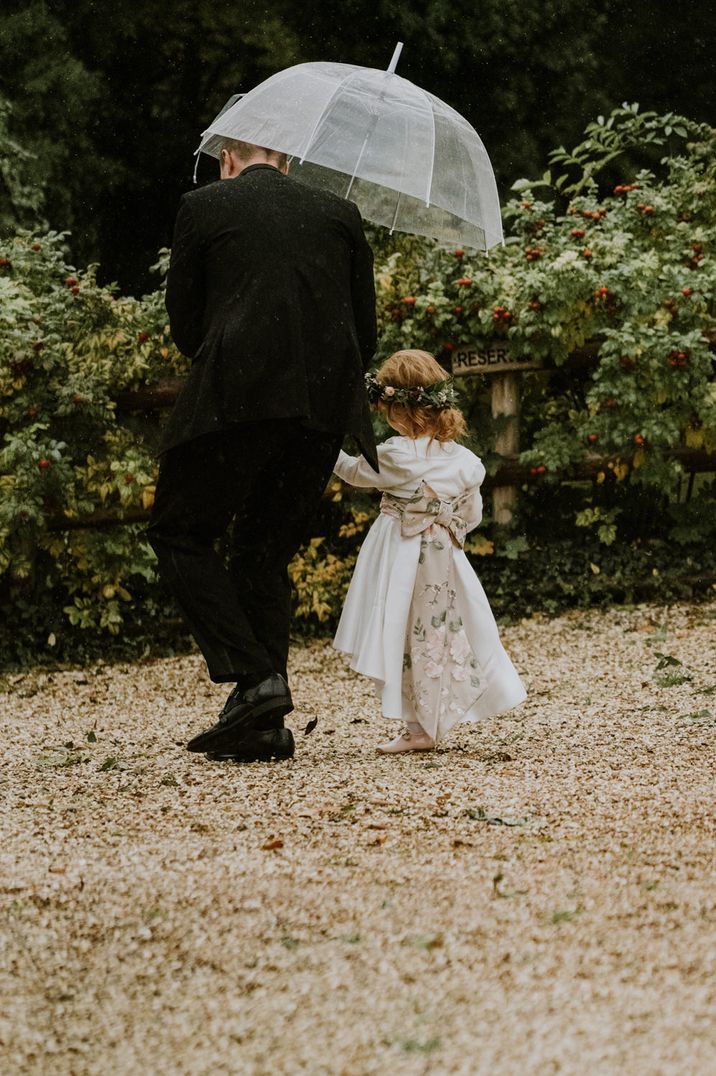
(538, 896)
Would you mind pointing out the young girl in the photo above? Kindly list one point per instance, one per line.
(416, 619)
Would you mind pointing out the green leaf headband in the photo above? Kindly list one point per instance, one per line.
(440, 395)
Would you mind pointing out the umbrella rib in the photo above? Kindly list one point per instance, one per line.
(324, 110)
(395, 215)
(432, 157)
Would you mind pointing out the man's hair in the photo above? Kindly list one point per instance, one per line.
(246, 150)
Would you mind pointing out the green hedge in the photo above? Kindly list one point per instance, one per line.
(628, 263)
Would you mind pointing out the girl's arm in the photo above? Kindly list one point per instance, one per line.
(356, 471)
(474, 515)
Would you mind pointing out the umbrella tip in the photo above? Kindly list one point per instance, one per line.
(396, 56)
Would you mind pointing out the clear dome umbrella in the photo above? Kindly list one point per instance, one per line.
(408, 160)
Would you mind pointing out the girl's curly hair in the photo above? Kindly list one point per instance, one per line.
(412, 368)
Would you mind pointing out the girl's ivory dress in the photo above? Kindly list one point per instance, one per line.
(416, 619)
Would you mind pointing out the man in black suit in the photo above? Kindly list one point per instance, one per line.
(270, 291)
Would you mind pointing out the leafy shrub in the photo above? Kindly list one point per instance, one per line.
(632, 270)
(629, 268)
(67, 347)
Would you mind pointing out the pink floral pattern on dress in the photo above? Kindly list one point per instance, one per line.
(442, 678)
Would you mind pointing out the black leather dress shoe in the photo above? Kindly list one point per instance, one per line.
(258, 747)
(244, 713)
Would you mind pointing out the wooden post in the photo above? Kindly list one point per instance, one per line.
(505, 401)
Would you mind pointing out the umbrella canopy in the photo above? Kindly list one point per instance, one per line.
(408, 160)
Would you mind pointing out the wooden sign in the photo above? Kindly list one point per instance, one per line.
(495, 359)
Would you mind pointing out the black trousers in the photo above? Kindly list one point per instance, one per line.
(268, 478)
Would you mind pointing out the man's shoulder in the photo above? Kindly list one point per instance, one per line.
(228, 189)
(199, 196)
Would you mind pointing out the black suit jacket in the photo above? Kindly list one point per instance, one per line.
(270, 291)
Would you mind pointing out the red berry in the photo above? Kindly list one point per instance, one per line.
(534, 304)
(639, 439)
(527, 205)
(592, 438)
(457, 310)
(587, 253)
(465, 281)
(75, 289)
(70, 281)
(409, 300)
(448, 346)
(627, 362)
(142, 337)
(5, 263)
(43, 464)
(129, 478)
(687, 292)
(429, 309)
(578, 233)
(459, 253)
(539, 469)
(77, 398)
(32, 412)
(36, 246)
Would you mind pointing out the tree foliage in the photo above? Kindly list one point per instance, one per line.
(112, 98)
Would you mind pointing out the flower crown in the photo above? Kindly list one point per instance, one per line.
(440, 394)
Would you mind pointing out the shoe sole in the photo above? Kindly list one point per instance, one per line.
(227, 736)
(263, 747)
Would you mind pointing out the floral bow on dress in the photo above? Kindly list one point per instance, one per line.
(442, 678)
(425, 509)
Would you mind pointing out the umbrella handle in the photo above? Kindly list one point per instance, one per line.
(396, 56)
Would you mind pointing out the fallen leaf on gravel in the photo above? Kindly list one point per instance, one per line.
(702, 717)
(426, 941)
(58, 756)
(479, 814)
(112, 763)
(505, 893)
(665, 660)
(272, 845)
(310, 726)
